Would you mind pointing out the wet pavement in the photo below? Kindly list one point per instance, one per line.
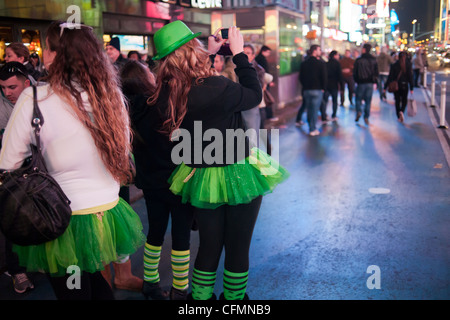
(360, 198)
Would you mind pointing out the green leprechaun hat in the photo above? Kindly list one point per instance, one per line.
(171, 37)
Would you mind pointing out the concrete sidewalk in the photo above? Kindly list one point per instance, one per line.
(358, 196)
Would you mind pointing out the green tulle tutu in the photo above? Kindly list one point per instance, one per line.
(234, 184)
(90, 242)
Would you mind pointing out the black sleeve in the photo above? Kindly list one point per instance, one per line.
(324, 76)
(246, 94)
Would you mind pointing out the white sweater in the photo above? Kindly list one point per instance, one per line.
(68, 148)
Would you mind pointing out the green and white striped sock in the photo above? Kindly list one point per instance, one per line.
(234, 285)
(152, 255)
(180, 269)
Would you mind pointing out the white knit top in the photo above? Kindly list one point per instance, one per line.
(68, 149)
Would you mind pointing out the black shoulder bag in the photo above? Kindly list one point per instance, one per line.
(33, 207)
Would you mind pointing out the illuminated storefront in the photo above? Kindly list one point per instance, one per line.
(279, 28)
(134, 21)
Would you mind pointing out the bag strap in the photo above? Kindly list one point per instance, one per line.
(37, 120)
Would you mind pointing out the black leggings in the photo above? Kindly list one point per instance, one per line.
(401, 100)
(92, 287)
(161, 204)
(229, 227)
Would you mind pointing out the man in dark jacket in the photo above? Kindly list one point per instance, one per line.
(313, 77)
(365, 73)
(334, 80)
(113, 52)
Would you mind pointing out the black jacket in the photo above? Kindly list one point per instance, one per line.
(365, 69)
(313, 74)
(404, 80)
(334, 72)
(151, 149)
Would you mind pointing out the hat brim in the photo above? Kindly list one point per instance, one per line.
(175, 46)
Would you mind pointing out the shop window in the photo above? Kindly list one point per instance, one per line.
(6, 38)
(290, 49)
(32, 40)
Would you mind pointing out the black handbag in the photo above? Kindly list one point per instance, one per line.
(33, 207)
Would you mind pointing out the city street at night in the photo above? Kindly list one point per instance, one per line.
(153, 110)
(358, 196)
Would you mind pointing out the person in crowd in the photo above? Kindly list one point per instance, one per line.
(36, 63)
(134, 55)
(298, 119)
(225, 67)
(365, 73)
(418, 66)
(123, 276)
(252, 117)
(267, 100)
(114, 54)
(261, 59)
(225, 194)
(313, 77)
(86, 145)
(347, 63)
(17, 51)
(384, 63)
(262, 56)
(13, 80)
(394, 56)
(334, 81)
(401, 71)
(152, 152)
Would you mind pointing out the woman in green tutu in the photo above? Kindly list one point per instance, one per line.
(85, 143)
(218, 172)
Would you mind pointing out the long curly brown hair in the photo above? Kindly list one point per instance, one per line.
(179, 70)
(80, 61)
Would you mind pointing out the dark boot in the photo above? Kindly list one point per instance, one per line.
(177, 294)
(222, 297)
(154, 291)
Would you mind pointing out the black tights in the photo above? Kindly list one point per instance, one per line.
(401, 100)
(92, 287)
(161, 204)
(229, 227)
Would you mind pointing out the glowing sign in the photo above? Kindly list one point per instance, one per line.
(206, 4)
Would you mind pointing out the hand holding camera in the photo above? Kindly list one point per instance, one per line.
(226, 42)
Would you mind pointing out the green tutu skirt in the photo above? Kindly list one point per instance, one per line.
(90, 242)
(237, 183)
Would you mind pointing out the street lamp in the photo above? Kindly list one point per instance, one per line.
(414, 30)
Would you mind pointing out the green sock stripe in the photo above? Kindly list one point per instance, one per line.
(235, 280)
(235, 274)
(206, 273)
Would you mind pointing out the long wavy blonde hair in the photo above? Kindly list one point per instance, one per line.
(179, 70)
(80, 61)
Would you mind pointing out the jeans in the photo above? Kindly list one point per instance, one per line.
(252, 119)
(382, 78)
(312, 100)
(334, 99)
(364, 92)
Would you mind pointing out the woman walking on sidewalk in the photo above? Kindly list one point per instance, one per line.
(401, 71)
(226, 196)
(85, 144)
